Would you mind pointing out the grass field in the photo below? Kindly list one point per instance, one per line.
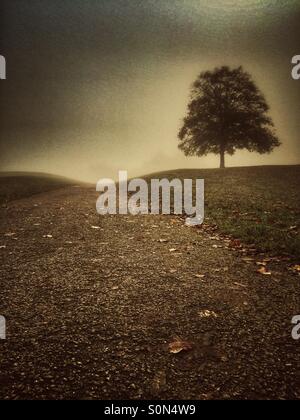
(258, 205)
(14, 186)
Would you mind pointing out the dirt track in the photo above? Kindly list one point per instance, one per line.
(91, 304)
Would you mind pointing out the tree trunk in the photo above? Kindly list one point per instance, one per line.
(222, 158)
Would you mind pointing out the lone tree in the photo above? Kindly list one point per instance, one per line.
(226, 112)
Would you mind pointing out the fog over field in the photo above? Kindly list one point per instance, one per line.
(98, 86)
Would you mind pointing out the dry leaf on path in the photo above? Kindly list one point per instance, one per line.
(178, 345)
(295, 268)
(263, 263)
(235, 243)
(207, 314)
(264, 271)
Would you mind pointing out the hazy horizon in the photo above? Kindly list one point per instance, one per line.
(101, 86)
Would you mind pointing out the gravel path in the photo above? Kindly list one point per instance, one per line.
(92, 303)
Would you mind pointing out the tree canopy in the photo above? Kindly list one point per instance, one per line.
(226, 112)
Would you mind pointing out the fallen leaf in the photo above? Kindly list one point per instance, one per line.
(295, 268)
(207, 314)
(9, 235)
(47, 236)
(96, 227)
(264, 271)
(199, 276)
(179, 345)
(2, 246)
(173, 250)
(235, 243)
(163, 240)
(262, 263)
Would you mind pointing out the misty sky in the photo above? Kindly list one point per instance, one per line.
(95, 86)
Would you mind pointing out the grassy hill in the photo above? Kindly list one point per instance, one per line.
(18, 185)
(259, 205)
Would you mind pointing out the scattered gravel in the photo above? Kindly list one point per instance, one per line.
(92, 304)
